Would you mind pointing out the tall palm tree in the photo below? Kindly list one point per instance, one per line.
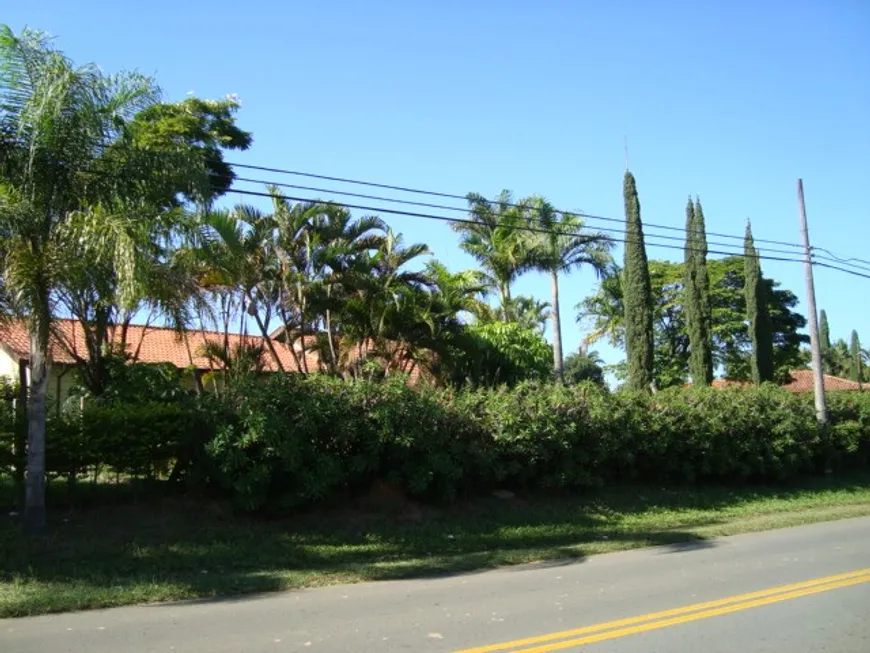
(563, 246)
(497, 236)
(55, 121)
(384, 307)
(318, 246)
(458, 292)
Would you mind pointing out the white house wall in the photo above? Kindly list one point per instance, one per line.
(8, 366)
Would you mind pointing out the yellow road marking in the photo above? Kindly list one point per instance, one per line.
(655, 625)
(683, 614)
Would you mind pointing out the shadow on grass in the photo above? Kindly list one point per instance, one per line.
(171, 548)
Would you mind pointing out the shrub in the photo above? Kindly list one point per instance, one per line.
(295, 440)
(142, 439)
(499, 353)
(300, 440)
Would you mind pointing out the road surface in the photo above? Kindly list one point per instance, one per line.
(798, 590)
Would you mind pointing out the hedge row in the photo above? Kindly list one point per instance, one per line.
(299, 440)
(292, 440)
(142, 439)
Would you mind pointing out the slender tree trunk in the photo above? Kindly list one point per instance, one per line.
(34, 500)
(505, 300)
(329, 337)
(303, 326)
(266, 337)
(135, 356)
(557, 329)
(20, 434)
(288, 342)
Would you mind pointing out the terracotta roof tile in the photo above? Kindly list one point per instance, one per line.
(802, 381)
(147, 344)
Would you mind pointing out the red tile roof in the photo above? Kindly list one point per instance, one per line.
(801, 381)
(153, 344)
(149, 344)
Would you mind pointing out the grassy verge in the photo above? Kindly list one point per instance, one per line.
(175, 548)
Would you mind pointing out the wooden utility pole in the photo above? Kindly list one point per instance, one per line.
(815, 345)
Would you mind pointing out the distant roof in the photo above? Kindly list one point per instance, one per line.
(801, 381)
(150, 344)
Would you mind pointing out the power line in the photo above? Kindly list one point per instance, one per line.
(854, 262)
(858, 262)
(429, 216)
(817, 258)
(406, 189)
(834, 267)
(445, 207)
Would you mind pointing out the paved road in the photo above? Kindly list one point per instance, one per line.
(804, 589)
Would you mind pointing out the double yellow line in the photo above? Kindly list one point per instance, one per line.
(655, 620)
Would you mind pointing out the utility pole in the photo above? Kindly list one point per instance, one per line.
(815, 345)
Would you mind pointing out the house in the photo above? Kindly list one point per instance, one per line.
(802, 381)
(149, 344)
(144, 343)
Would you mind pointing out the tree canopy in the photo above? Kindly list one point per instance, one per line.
(603, 313)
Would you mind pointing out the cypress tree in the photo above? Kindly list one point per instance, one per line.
(760, 329)
(697, 292)
(637, 294)
(855, 352)
(825, 342)
(704, 292)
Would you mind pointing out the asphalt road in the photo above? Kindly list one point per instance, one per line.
(803, 589)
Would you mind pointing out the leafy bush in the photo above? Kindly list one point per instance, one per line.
(579, 367)
(299, 440)
(296, 440)
(12, 428)
(500, 353)
(132, 382)
(142, 439)
(850, 431)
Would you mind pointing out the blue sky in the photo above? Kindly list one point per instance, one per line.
(731, 101)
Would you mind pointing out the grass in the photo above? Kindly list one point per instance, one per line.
(180, 548)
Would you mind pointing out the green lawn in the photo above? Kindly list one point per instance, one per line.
(177, 548)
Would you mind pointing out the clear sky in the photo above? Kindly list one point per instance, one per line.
(732, 101)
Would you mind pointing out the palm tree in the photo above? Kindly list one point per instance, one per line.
(386, 304)
(497, 236)
(839, 358)
(55, 121)
(233, 364)
(318, 246)
(243, 260)
(605, 310)
(564, 247)
(336, 243)
(528, 312)
(457, 292)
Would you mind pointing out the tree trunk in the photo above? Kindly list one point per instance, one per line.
(505, 291)
(332, 354)
(557, 330)
(329, 335)
(266, 336)
(34, 500)
(302, 330)
(20, 441)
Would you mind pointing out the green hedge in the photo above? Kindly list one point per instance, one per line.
(298, 440)
(142, 439)
(291, 440)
